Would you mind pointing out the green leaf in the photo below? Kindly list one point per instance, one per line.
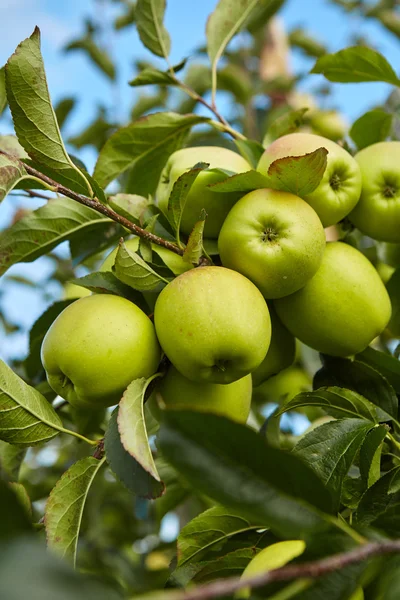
(144, 147)
(26, 418)
(370, 455)
(63, 110)
(233, 465)
(23, 498)
(330, 450)
(194, 249)
(64, 508)
(33, 363)
(3, 95)
(379, 499)
(372, 127)
(300, 175)
(11, 145)
(174, 262)
(34, 119)
(303, 40)
(251, 150)
(12, 171)
(287, 123)
(224, 23)
(151, 76)
(263, 12)
(11, 458)
(95, 134)
(105, 282)
(132, 426)
(127, 18)
(179, 194)
(98, 55)
(131, 269)
(356, 64)
(125, 467)
(15, 519)
(242, 182)
(149, 22)
(39, 232)
(338, 402)
(130, 206)
(361, 378)
(386, 364)
(208, 530)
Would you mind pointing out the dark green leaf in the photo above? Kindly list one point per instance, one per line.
(11, 458)
(361, 378)
(306, 42)
(262, 13)
(15, 520)
(34, 119)
(330, 450)
(132, 270)
(300, 175)
(125, 467)
(370, 455)
(233, 465)
(3, 95)
(152, 76)
(90, 242)
(63, 110)
(105, 282)
(39, 232)
(149, 21)
(336, 401)
(379, 499)
(386, 364)
(356, 64)
(287, 123)
(372, 127)
(65, 506)
(144, 147)
(95, 134)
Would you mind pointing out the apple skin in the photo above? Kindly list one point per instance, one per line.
(342, 308)
(96, 347)
(213, 324)
(269, 558)
(378, 212)
(329, 123)
(340, 187)
(232, 400)
(273, 238)
(281, 352)
(216, 205)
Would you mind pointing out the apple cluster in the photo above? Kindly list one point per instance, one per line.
(229, 327)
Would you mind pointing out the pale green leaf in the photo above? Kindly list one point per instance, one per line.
(12, 172)
(300, 175)
(34, 119)
(64, 509)
(194, 249)
(131, 269)
(3, 95)
(11, 458)
(174, 262)
(41, 231)
(242, 182)
(370, 455)
(149, 21)
(372, 127)
(26, 418)
(11, 145)
(130, 206)
(356, 64)
(144, 147)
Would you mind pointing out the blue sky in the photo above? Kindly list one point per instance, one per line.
(71, 75)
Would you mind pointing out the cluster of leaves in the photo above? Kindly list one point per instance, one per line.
(237, 488)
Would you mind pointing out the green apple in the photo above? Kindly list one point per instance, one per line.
(281, 352)
(213, 324)
(283, 387)
(272, 557)
(329, 123)
(74, 291)
(340, 187)
(389, 253)
(96, 347)
(378, 212)
(200, 196)
(273, 238)
(232, 400)
(342, 308)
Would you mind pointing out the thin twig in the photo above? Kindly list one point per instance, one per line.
(34, 194)
(225, 587)
(101, 208)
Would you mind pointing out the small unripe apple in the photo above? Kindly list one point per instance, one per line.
(232, 400)
(281, 352)
(272, 557)
(378, 212)
(213, 324)
(342, 308)
(273, 238)
(329, 123)
(338, 191)
(200, 196)
(96, 347)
